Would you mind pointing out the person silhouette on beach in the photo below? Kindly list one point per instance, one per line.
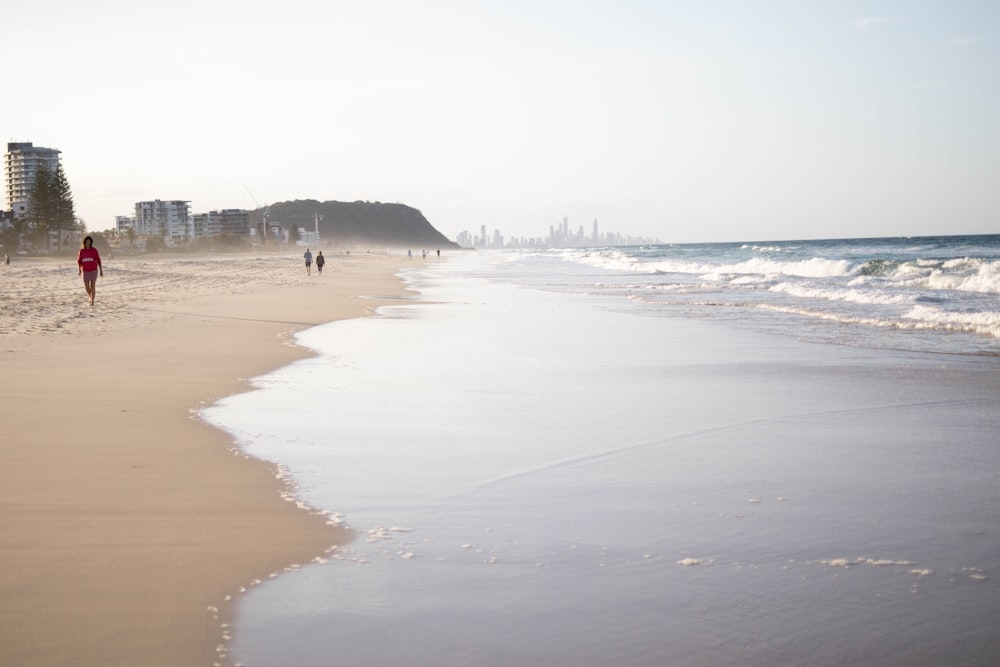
(88, 265)
(309, 261)
(320, 261)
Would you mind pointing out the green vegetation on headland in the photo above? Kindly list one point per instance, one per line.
(356, 224)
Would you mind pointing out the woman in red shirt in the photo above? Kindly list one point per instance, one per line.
(88, 264)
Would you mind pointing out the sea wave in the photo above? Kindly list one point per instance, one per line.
(762, 248)
(832, 293)
(919, 318)
(967, 276)
(878, 267)
(941, 285)
(815, 267)
(932, 317)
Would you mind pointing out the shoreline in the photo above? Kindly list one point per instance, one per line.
(129, 524)
(550, 476)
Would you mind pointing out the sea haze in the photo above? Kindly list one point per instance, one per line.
(543, 465)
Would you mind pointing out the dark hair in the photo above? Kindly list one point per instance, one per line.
(85, 239)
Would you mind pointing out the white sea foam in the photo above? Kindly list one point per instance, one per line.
(692, 268)
(833, 293)
(884, 562)
(918, 318)
(616, 260)
(763, 248)
(843, 318)
(967, 276)
(932, 317)
(863, 560)
(620, 261)
(815, 267)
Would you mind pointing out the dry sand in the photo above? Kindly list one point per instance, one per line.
(126, 524)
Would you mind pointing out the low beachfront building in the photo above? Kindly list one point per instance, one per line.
(235, 221)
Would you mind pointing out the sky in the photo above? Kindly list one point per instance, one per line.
(687, 121)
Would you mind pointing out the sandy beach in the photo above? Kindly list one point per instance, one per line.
(128, 526)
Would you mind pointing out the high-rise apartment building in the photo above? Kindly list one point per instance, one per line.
(168, 219)
(21, 162)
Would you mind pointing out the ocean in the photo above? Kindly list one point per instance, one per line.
(777, 453)
(911, 293)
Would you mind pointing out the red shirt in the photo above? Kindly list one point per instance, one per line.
(88, 259)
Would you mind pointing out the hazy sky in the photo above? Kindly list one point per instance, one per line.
(688, 121)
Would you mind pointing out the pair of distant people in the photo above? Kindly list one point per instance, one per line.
(320, 261)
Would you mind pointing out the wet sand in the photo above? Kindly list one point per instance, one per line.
(128, 526)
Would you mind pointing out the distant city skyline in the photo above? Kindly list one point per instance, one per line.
(558, 237)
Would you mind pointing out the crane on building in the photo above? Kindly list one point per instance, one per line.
(265, 211)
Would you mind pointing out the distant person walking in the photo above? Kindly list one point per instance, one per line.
(88, 265)
(309, 261)
(320, 261)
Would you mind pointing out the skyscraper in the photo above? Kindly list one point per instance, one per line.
(21, 162)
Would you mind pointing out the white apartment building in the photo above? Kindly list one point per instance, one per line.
(21, 162)
(170, 220)
(123, 223)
